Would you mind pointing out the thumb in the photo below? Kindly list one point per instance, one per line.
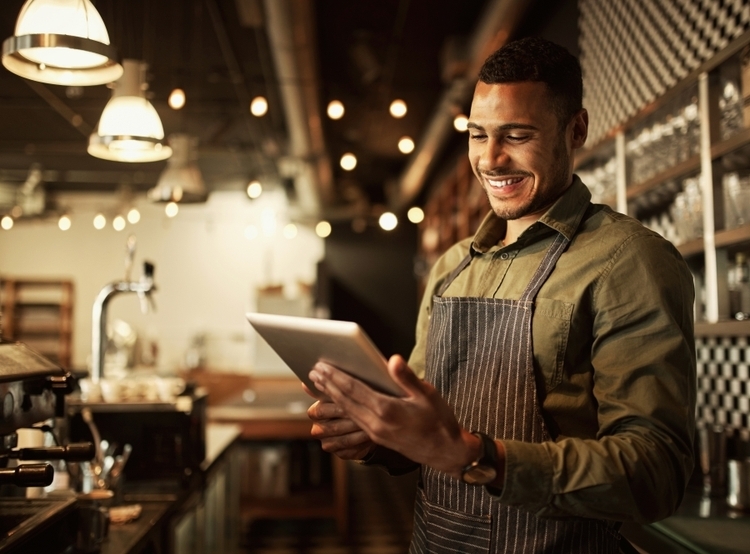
(403, 375)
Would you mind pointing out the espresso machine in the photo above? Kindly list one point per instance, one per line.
(32, 394)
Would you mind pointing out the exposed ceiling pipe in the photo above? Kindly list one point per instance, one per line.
(496, 25)
(291, 33)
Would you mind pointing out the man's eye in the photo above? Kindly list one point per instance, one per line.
(516, 138)
(477, 136)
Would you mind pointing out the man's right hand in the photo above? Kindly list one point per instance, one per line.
(338, 435)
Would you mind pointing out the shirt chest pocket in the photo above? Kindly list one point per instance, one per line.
(551, 331)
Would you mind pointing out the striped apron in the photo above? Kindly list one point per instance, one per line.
(480, 359)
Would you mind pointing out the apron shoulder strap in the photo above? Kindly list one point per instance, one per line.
(453, 274)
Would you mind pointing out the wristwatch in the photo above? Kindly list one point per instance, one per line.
(483, 470)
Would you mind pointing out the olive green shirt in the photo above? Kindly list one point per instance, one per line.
(614, 356)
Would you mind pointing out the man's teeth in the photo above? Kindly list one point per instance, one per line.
(498, 183)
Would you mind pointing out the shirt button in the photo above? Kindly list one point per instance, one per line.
(504, 256)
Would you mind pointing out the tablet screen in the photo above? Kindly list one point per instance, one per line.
(303, 341)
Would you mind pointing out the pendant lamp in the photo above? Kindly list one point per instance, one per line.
(61, 42)
(181, 181)
(129, 129)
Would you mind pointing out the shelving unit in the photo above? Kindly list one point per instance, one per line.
(708, 254)
(39, 313)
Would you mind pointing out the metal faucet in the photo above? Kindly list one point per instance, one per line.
(142, 287)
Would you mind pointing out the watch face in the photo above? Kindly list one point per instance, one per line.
(479, 474)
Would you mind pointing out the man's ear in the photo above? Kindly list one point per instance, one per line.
(579, 129)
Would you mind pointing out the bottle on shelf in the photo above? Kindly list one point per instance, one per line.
(739, 287)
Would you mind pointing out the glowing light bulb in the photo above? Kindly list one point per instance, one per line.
(118, 223)
(398, 108)
(176, 99)
(335, 109)
(415, 214)
(460, 123)
(64, 223)
(134, 216)
(259, 106)
(171, 209)
(323, 229)
(100, 221)
(405, 145)
(388, 221)
(254, 189)
(6, 223)
(348, 161)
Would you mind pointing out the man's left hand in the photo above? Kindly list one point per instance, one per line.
(419, 425)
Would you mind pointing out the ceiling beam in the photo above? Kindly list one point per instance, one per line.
(291, 33)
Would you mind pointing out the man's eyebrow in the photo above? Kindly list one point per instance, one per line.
(506, 127)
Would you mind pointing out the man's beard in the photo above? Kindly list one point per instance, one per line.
(545, 198)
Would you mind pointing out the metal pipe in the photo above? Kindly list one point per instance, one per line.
(143, 288)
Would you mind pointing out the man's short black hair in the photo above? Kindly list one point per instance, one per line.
(537, 59)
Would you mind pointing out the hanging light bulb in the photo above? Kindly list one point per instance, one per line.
(415, 214)
(181, 181)
(61, 42)
(171, 209)
(259, 106)
(176, 99)
(118, 223)
(388, 221)
(348, 161)
(100, 221)
(335, 109)
(406, 145)
(64, 223)
(397, 108)
(460, 123)
(134, 216)
(254, 189)
(6, 222)
(129, 129)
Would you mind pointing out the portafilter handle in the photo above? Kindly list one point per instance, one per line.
(28, 475)
(74, 452)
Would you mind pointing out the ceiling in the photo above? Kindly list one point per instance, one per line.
(300, 54)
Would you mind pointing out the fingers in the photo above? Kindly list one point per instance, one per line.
(322, 410)
(335, 428)
(404, 376)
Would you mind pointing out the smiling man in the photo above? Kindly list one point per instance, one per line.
(551, 392)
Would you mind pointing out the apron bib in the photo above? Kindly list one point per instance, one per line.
(480, 359)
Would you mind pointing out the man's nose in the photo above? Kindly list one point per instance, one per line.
(494, 155)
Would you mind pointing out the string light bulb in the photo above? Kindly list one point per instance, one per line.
(6, 222)
(348, 161)
(176, 99)
(398, 108)
(64, 223)
(335, 109)
(388, 221)
(259, 106)
(415, 214)
(460, 123)
(100, 221)
(406, 145)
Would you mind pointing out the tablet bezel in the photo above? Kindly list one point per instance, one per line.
(303, 341)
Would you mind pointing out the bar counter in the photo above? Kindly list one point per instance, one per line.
(700, 526)
(151, 530)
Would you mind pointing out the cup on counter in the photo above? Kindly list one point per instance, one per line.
(712, 449)
(738, 484)
(93, 519)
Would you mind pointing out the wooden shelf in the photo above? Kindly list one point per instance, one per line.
(39, 313)
(729, 328)
(685, 167)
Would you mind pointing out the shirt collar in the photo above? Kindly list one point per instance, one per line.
(563, 216)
